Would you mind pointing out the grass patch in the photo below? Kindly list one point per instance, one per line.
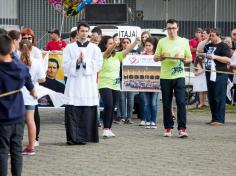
(202, 109)
(228, 108)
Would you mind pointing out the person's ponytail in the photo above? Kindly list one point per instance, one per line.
(25, 48)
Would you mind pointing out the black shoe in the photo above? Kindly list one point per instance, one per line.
(128, 121)
(81, 143)
(70, 143)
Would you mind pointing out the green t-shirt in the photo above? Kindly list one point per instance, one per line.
(109, 75)
(171, 68)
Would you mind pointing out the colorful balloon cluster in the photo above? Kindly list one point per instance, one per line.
(72, 7)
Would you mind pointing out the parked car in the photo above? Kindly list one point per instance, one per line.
(158, 33)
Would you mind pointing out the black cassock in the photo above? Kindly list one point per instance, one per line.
(81, 124)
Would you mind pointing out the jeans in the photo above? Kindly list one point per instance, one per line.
(125, 105)
(168, 86)
(141, 107)
(11, 137)
(217, 96)
(109, 99)
(151, 106)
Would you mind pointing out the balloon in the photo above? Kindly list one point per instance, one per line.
(70, 7)
(99, 1)
(50, 1)
(57, 4)
(83, 3)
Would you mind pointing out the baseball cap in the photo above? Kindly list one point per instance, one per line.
(199, 30)
(73, 29)
(55, 31)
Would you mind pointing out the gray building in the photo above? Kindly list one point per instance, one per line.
(190, 14)
(41, 16)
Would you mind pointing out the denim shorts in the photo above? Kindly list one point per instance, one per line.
(29, 107)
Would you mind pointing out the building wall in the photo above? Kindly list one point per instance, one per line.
(9, 14)
(187, 10)
(8, 9)
(190, 14)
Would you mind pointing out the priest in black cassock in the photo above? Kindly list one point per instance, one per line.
(81, 62)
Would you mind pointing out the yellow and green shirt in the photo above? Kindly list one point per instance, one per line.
(171, 68)
(109, 75)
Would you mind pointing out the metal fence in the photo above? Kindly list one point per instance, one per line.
(41, 16)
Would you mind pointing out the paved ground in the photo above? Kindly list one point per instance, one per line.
(137, 151)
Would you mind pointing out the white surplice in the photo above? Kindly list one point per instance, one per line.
(81, 85)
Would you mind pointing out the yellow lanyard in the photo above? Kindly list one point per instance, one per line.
(9, 93)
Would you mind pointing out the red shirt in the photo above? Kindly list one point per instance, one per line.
(52, 45)
(193, 43)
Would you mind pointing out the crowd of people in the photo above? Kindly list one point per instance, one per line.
(92, 69)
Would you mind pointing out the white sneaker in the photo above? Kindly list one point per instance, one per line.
(36, 144)
(153, 125)
(111, 134)
(183, 133)
(167, 132)
(148, 125)
(106, 133)
(142, 123)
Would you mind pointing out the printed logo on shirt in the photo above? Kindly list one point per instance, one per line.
(116, 81)
(211, 50)
(177, 69)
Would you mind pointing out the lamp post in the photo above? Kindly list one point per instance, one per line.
(215, 17)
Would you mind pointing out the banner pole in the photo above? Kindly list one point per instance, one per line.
(62, 23)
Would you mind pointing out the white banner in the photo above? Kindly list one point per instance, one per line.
(140, 60)
(140, 73)
(129, 31)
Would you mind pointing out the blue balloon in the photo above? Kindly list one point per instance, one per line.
(83, 3)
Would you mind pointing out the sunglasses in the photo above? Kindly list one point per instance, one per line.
(234, 34)
(27, 38)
